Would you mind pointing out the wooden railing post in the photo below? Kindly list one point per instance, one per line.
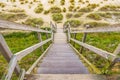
(6, 52)
(68, 31)
(84, 39)
(40, 39)
(74, 38)
(52, 31)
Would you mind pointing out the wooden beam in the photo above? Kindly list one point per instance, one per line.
(6, 52)
(25, 52)
(11, 68)
(11, 25)
(99, 29)
(83, 40)
(98, 51)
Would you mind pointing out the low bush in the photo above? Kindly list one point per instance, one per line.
(62, 2)
(55, 9)
(57, 17)
(85, 9)
(73, 23)
(69, 15)
(77, 15)
(94, 16)
(16, 10)
(46, 12)
(96, 24)
(2, 5)
(110, 8)
(39, 8)
(12, 17)
(34, 22)
(64, 9)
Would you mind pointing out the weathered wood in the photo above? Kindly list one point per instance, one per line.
(105, 54)
(36, 62)
(25, 52)
(11, 68)
(74, 38)
(6, 52)
(66, 77)
(95, 70)
(40, 40)
(69, 36)
(117, 50)
(11, 25)
(99, 29)
(83, 40)
(22, 75)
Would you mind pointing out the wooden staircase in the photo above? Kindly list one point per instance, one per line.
(61, 59)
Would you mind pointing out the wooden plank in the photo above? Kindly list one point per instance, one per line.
(25, 52)
(11, 25)
(99, 29)
(6, 52)
(98, 51)
(95, 70)
(36, 62)
(40, 40)
(22, 74)
(69, 36)
(83, 40)
(11, 68)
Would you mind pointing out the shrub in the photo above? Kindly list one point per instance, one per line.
(16, 10)
(69, 15)
(55, 9)
(62, 2)
(85, 9)
(110, 8)
(74, 23)
(46, 12)
(2, 4)
(97, 24)
(71, 7)
(57, 17)
(94, 16)
(39, 8)
(51, 1)
(78, 15)
(34, 22)
(12, 17)
(64, 9)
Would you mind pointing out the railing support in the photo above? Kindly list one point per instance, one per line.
(83, 40)
(69, 35)
(40, 39)
(6, 52)
(74, 38)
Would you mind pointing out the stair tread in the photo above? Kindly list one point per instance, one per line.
(79, 70)
(66, 77)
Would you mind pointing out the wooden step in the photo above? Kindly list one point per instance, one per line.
(67, 77)
(75, 70)
(60, 58)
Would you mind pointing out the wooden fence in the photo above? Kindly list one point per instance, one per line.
(112, 57)
(14, 58)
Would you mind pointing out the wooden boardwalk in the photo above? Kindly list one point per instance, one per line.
(61, 59)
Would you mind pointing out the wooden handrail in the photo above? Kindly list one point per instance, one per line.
(105, 54)
(25, 52)
(99, 29)
(11, 25)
